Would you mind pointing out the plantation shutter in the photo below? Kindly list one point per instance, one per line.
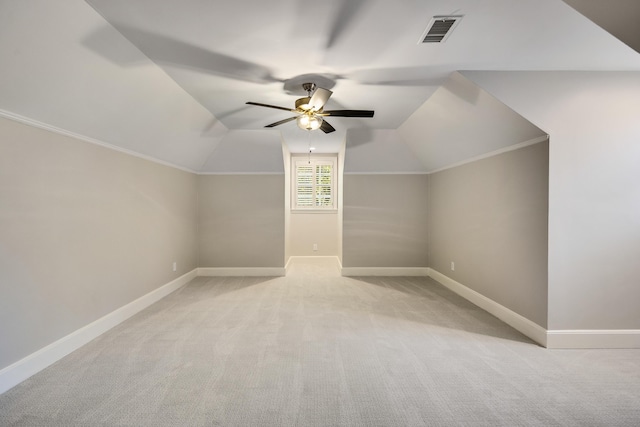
(324, 185)
(304, 180)
(314, 182)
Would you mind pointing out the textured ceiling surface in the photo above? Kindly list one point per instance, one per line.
(169, 80)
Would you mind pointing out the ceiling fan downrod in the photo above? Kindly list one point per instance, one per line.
(309, 87)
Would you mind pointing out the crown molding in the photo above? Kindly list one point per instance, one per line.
(38, 124)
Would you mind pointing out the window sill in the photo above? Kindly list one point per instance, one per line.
(314, 211)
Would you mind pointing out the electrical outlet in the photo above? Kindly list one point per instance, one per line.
(175, 266)
(315, 246)
(453, 266)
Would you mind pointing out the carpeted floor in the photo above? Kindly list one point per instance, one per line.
(317, 349)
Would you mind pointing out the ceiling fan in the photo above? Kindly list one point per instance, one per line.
(310, 110)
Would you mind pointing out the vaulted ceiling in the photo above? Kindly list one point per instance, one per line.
(170, 80)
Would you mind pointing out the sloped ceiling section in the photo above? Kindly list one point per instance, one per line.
(379, 151)
(462, 121)
(227, 53)
(621, 18)
(49, 76)
(168, 79)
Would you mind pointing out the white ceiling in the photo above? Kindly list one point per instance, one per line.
(169, 80)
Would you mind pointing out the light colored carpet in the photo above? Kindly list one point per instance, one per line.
(316, 349)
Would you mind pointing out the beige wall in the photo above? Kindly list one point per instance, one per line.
(84, 230)
(241, 220)
(304, 229)
(385, 221)
(319, 228)
(594, 202)
(490, 218)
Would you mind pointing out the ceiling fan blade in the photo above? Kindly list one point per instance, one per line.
(348, 113)
(281, 122)
(401, 76)
(343, 20)
(272, 106)
(172, 52)
(326, 127)
(319, 98)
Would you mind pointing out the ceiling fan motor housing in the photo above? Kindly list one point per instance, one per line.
(303, 103)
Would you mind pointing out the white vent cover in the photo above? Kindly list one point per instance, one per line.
(439, 29)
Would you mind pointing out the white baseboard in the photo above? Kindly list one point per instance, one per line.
(532, 330)
(599, 338)
(293, 258)
(242, 271)
(385, 271)
(553, 339)
(24, 368)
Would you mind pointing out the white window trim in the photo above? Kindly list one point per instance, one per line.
(315, 159)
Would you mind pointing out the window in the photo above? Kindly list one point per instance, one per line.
(314, 180)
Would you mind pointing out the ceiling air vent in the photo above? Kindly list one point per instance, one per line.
(439, 29)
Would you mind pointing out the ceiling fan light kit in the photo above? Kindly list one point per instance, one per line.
(310, 110)
(309, 121)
